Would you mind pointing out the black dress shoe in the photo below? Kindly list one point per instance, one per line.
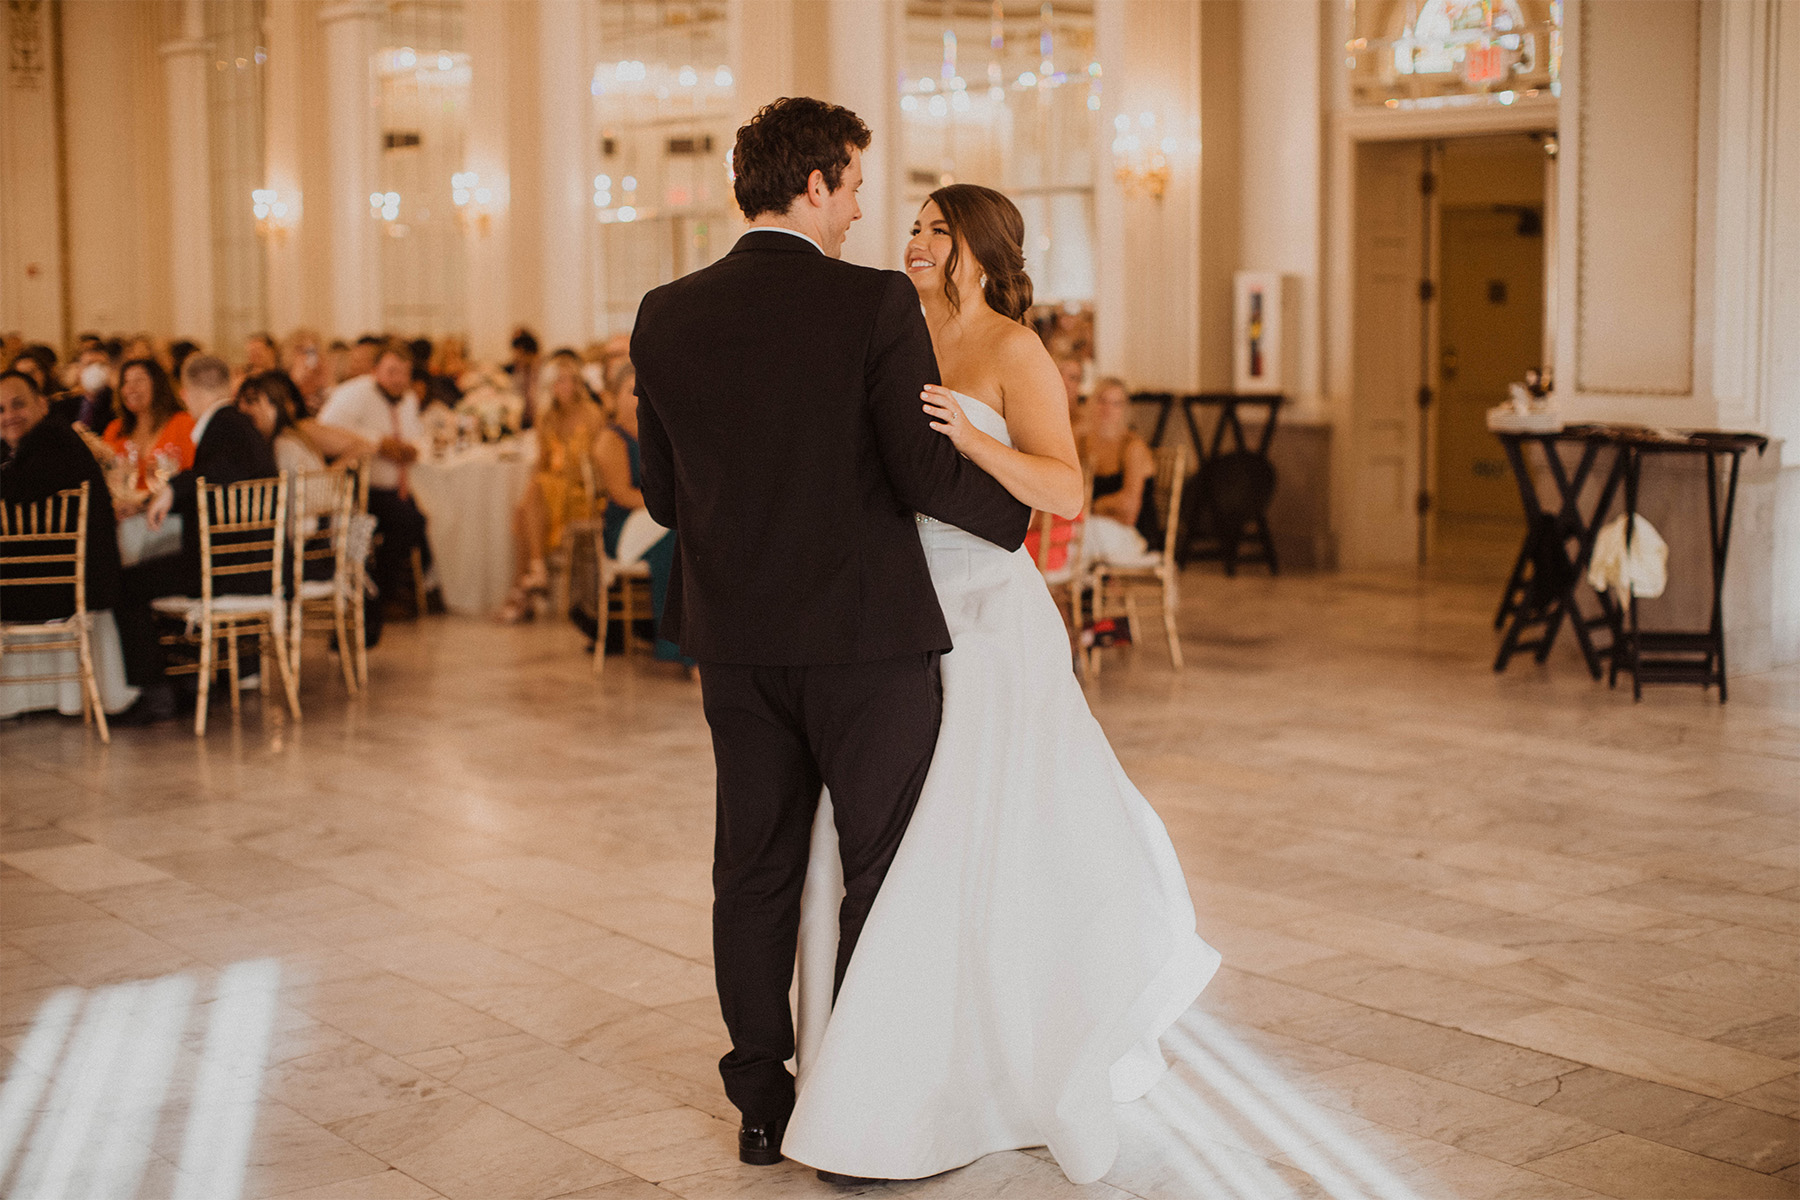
(759, 1144)
(847, 1180)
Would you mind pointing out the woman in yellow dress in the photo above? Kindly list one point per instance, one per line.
(561, 488)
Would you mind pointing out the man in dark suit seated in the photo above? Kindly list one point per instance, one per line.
(228, 448)
(44, 457)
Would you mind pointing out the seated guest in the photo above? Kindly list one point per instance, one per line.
(568, 422)
(301, 443)
(153, 435)
(1122, 523)
(523, 369)
(629, 533)
(44, 457)
(227, 449)
(90, 402)
(449, 363)
(1070, 368)
(260, 354)
(382, 408)
(307, 365)
(361, 357)
(180, 350)
(39, 362)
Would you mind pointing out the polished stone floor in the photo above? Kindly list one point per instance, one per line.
(1484, 936)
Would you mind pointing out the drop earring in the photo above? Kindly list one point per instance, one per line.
(984, 281)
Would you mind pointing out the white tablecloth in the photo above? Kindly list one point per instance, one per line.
(468, 497)
(109, 670)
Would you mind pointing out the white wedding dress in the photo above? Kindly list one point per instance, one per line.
(1032, 939)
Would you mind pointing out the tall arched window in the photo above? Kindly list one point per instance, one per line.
(663, 101)
(1008, 95)
(423, 77)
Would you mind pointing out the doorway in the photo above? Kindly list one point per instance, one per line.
(1450, 293)
(1490, 331)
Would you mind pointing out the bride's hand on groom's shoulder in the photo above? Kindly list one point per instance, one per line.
(947, 416)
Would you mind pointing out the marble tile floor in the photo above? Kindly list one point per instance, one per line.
(1486, 937)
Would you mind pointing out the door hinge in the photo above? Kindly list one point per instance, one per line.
(1428, 183)
(1424, 503)
(1427, 291)
(1424, 397)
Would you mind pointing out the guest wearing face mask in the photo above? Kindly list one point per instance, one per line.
(382, 407)
(91, 401)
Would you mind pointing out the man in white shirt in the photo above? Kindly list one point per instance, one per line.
(382, 407)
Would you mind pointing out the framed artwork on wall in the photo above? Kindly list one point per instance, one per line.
(1262, 317)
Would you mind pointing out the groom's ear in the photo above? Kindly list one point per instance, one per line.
(817, 190)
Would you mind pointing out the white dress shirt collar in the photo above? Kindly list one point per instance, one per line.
(790, 232)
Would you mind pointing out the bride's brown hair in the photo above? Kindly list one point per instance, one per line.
(994, 231)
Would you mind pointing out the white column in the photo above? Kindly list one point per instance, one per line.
(864, 40)
(282, 90)
(352, 34)
(485, 234)
(566, 155)
(185, 64)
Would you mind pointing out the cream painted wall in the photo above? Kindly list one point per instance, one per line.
(1221, 192)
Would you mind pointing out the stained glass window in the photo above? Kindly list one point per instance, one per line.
(1453, 53)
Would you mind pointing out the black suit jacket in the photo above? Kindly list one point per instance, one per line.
(49, 459)
(784, 442)
(230, 451)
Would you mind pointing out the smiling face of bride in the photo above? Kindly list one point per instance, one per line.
(933, 251)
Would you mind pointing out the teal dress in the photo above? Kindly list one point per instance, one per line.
(660, 558)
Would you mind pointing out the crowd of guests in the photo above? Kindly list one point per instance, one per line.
(141, 421)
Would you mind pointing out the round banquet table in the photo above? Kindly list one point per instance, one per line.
(468, 497)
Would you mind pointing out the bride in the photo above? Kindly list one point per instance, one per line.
(1034, 935)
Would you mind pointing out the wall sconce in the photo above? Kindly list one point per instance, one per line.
(1140, 158)
(385, 206)
(276, 215)
(474, 202)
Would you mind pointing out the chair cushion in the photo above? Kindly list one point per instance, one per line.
(318, 589)
(37, 628)
(185, 606)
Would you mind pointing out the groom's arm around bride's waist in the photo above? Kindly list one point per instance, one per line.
(926, 471)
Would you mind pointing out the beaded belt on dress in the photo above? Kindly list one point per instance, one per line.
(922, 519)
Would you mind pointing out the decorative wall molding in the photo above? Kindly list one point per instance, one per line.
(28, 56)
(1637, 189)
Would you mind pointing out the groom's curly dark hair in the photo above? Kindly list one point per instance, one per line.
(784, 143)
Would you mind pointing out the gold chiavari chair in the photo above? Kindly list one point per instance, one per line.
(243, 535)
(322, 505)
(48, 540)
(624, 593)
(1117, 590)
(359, 544)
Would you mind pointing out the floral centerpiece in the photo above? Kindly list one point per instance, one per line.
(490, 409)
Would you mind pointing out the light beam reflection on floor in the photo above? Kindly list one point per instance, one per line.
(1222, 1100)
(87, 1090)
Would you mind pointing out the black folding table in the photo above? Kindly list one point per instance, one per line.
(1541, 593)
(1552, 564)
(1235, 482)
(1682, 656)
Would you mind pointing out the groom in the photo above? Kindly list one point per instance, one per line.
(784, 442)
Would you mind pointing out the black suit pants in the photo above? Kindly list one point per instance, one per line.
(402, 529)
(139, 584)
(865, 730)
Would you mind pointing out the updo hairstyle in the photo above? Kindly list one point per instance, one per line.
(994, 231)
